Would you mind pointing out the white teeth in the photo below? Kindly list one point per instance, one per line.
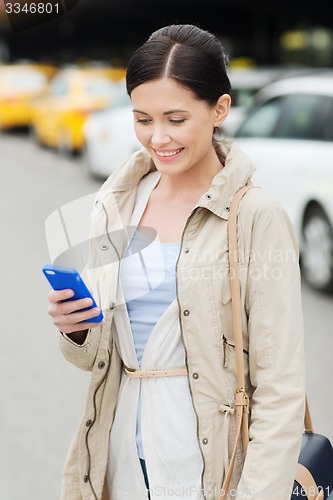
(169, 153)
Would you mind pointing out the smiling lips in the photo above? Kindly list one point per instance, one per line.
(166, 155)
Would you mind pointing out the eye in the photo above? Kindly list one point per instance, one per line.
(144, 121)
(177, 122)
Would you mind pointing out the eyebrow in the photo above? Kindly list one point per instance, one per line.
(165, 113)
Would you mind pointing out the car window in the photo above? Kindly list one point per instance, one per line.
(99, 87)
(303, 117)
(242, 97)
(60, 87)
(25, 80)
(328, 125)
(28, 81)
(121, 99)
(262, 120)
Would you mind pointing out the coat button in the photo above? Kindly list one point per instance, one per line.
(186, 312)
(112, 305)
(101, 365)
(205, 441)
(208, 196)
(104, 247)
(86, 478)
(227, 209)
(88, 422)
(195, 376)
(186, 250)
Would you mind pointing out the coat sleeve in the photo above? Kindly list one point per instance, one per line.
(276, 356)
(83, 355)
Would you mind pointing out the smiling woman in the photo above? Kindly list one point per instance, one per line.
(168, 132)
(160, 414)
(177, 133)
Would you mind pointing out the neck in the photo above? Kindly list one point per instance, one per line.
(193, 182)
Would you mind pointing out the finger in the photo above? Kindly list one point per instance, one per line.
(75, 317)
(70, 328)
(70, 306)
(58, 295)
(62, 308)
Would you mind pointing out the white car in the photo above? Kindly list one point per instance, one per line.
(288, 133)
(245, 82)
(110, 140)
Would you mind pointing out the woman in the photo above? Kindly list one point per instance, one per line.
(159, 418)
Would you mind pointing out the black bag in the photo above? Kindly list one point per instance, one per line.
(314, 476)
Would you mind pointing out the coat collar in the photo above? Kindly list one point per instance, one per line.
(236, 173)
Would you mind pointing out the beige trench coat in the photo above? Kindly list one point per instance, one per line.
(272, 331)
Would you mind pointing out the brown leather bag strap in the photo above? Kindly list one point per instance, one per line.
(307, 418)
(304, 477)
(241, 398)
(234, 283)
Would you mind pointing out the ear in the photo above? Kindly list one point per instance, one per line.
(221, 109)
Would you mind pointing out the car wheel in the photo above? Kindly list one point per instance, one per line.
(317, 251)
(65, 147)
(34, 136)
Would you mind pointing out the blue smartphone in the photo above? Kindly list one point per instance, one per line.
(63, 277)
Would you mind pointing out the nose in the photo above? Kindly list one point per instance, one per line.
(159, 136)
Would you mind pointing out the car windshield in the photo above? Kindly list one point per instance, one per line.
(99, 87)
(22, 81)
(261, 122)
(294, 116)
(242, 97)
(59, 86)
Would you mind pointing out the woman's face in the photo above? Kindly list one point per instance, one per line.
(174, 127)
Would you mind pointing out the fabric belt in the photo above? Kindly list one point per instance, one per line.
(173, 372)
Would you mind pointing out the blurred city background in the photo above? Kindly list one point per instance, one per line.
(66, 124)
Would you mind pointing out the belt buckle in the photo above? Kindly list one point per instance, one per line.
(129, 370)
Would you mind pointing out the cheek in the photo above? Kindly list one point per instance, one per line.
(140, 133)
(189, 134)
(198, 134)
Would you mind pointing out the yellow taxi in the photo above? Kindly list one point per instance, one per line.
(48, 68)
(116, 73)
(19, 85)
(73, 94)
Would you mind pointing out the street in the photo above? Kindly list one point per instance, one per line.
(42, 395)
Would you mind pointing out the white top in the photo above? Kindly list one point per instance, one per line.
(149, 285)
(168, 421)
(145, 307)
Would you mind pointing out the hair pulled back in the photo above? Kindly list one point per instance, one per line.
(192, 57)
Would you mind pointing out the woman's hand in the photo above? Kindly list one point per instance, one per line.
(68, 316)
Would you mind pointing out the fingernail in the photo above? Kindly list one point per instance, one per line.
(69, 293)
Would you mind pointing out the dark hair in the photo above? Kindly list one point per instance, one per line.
(189, 55)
